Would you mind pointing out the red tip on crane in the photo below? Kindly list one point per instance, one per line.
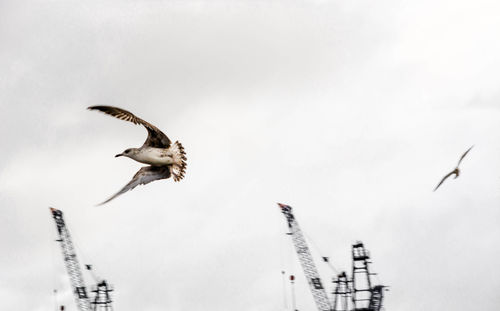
(282, 205)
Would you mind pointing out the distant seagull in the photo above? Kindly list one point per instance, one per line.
(456, 171)
(165, 159)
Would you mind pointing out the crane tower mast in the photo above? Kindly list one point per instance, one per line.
(310, 271)
(71, 262)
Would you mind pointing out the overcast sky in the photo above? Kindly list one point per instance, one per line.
(349, 111)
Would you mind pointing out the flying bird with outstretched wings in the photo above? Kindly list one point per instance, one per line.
(456, 171)
(164, 158)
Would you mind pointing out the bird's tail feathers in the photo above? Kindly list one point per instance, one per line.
(179, 166)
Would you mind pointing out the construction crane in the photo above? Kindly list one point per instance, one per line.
(102, 298)
(342, 293)
(359, 289)
(365, 296)
(306, 260)
(71, 262)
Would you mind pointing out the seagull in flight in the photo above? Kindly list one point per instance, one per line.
(456, 171)
(164, 158)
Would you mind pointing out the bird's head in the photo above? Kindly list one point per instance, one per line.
(128, 153)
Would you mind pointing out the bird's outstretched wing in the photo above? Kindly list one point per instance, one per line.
(444, 178)
(144, 176)
(156, 138)
(463, 155)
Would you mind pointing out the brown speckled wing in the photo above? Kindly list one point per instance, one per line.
(156, 138)
(144, 176)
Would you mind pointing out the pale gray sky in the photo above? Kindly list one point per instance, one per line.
(350, 111)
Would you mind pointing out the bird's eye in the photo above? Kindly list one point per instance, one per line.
(127, 151)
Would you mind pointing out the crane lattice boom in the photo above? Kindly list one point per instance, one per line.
(71, 262)
(310, 271)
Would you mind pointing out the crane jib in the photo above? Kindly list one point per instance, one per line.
(306, 261)
(71, 262)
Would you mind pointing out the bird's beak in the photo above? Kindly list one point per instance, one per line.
(118, 155)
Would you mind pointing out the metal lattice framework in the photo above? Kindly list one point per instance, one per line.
(365, 296)
(310, 271)
(377, 298)
(102, 300)
(71, 262)
(342, 293)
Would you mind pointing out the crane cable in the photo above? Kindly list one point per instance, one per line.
(55, 283)
(289, 250)
(283, 256)
(86, 260)
(324, 258)
(292, 253)
(285, 302)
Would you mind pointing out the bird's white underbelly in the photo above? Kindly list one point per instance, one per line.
(155, 156)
